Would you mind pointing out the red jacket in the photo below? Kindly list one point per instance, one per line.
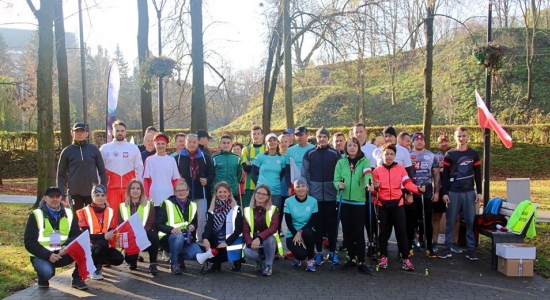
(390, 179)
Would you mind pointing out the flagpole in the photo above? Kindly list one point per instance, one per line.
(486, 131)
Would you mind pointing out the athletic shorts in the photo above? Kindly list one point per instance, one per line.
(440, 206)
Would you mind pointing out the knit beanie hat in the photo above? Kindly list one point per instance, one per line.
(389, 130)
(322, 130)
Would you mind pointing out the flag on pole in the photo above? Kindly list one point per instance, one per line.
(81, 252)
(486, 120)
(113, 87)
(295, 173)
(132, 235)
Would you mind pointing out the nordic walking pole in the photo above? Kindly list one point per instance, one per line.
(426, 273)
(376, 186)
(371, 243)
(337, 222)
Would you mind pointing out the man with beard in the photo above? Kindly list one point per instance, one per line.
(122, 163)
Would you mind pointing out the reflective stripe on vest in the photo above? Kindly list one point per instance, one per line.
(249, 216)
(143, 212)
(93, 222)
(230, 229)
(45, 227)
(176, 220)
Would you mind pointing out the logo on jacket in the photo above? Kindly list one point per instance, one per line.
(115, 154)
(125, 154)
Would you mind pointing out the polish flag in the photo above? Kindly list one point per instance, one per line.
(81, 252)
(132, 235)
(486, 120)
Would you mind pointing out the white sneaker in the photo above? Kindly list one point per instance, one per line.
(96, 275)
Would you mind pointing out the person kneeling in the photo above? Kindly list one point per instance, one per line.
(176, 222)
(223, 229)
(49, 229)
(260, 234)
(98, 218)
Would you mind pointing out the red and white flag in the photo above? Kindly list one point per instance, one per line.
(486, 120)
(132, 235)
(81, 251)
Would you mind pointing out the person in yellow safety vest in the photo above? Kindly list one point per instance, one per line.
(260, 234)
(98, 218)
(176, 222)
(49, 229)
(137, 202)
(223, 231)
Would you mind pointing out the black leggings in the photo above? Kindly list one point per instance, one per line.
(102, 253)
(298, 251)
(153, 250)
(353, 220)
(413, 214)
(389, 218)
(326, 223)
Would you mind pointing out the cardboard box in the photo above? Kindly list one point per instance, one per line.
(516, 251)
(516, 267)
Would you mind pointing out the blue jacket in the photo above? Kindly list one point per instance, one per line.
(318, 169)
(206, 170)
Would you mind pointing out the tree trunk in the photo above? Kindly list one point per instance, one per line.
(428, 91)
(143, 53)
(289, 111)
(46, 155)
(271, 73)
(198, 99)
(62, 75)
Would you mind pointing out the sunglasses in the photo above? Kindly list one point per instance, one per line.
(182, 190)
(192, 134)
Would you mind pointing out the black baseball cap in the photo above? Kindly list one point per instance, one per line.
(300, 130)
(79, 126)
(53, 190)
(203, 133)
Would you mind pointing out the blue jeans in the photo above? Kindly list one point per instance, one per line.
(180, 250)
(267, 252)
(46, 270)
(466, 201)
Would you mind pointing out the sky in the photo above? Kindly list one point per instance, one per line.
(233, 28)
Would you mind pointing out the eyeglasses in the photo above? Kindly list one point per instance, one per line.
(182, 190)
(262, 194)
(192, 134)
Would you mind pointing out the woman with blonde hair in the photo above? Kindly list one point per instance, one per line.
(260, 224)
(223, 231)
(137, 202)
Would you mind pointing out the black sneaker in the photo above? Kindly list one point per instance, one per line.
(79, 285)
(445, 253)
(349, 265)
(363, 269)
(182, 264)
(175, 269)
(153, 270)
(342, 247)
(471, 255)
(132, 266)
(140, 258)
(43, 284)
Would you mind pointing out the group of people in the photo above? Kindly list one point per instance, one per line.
(232, 203)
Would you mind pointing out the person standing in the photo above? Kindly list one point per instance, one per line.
(179, 142)
(78, 167)
(204, 138)
(318, 169)
(360, 132)
(196, 168)
(425, 168)
(460, 181)
(227, 166)
(99, 219)
(161, 172)
(237, 148)
(404, 140)
(295, 155)
(122, 163)
(388, 180)
(150, 129)
(249, 153)
(338, 142)
(149, 146)
(50, 228)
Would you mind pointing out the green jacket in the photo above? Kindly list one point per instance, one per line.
(227, 167)
(521, 215)
(355, 181)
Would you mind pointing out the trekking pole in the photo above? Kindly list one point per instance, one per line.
(426, 272)
(376, 186)
(337, 222)
(371, 242)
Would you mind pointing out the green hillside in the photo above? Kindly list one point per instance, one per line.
(325, 95)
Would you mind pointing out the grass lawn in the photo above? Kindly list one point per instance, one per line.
(16, 271)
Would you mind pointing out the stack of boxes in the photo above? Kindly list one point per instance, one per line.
(516, 259)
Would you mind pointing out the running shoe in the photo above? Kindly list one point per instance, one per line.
(96, 275)
(43, 284)
(434, 247)
(175, 269)
(296, 263)
(383, 263)
(445, 253)
(456, 249)
(471, 255)
(132, 266)
(342, 247)
(319, 259)
(79, 285)
(259, 266)
(407, 265)
(153, 270)
(310, 266)
(267, 271)
(349, 265)
(363, 269)
(333, 258)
